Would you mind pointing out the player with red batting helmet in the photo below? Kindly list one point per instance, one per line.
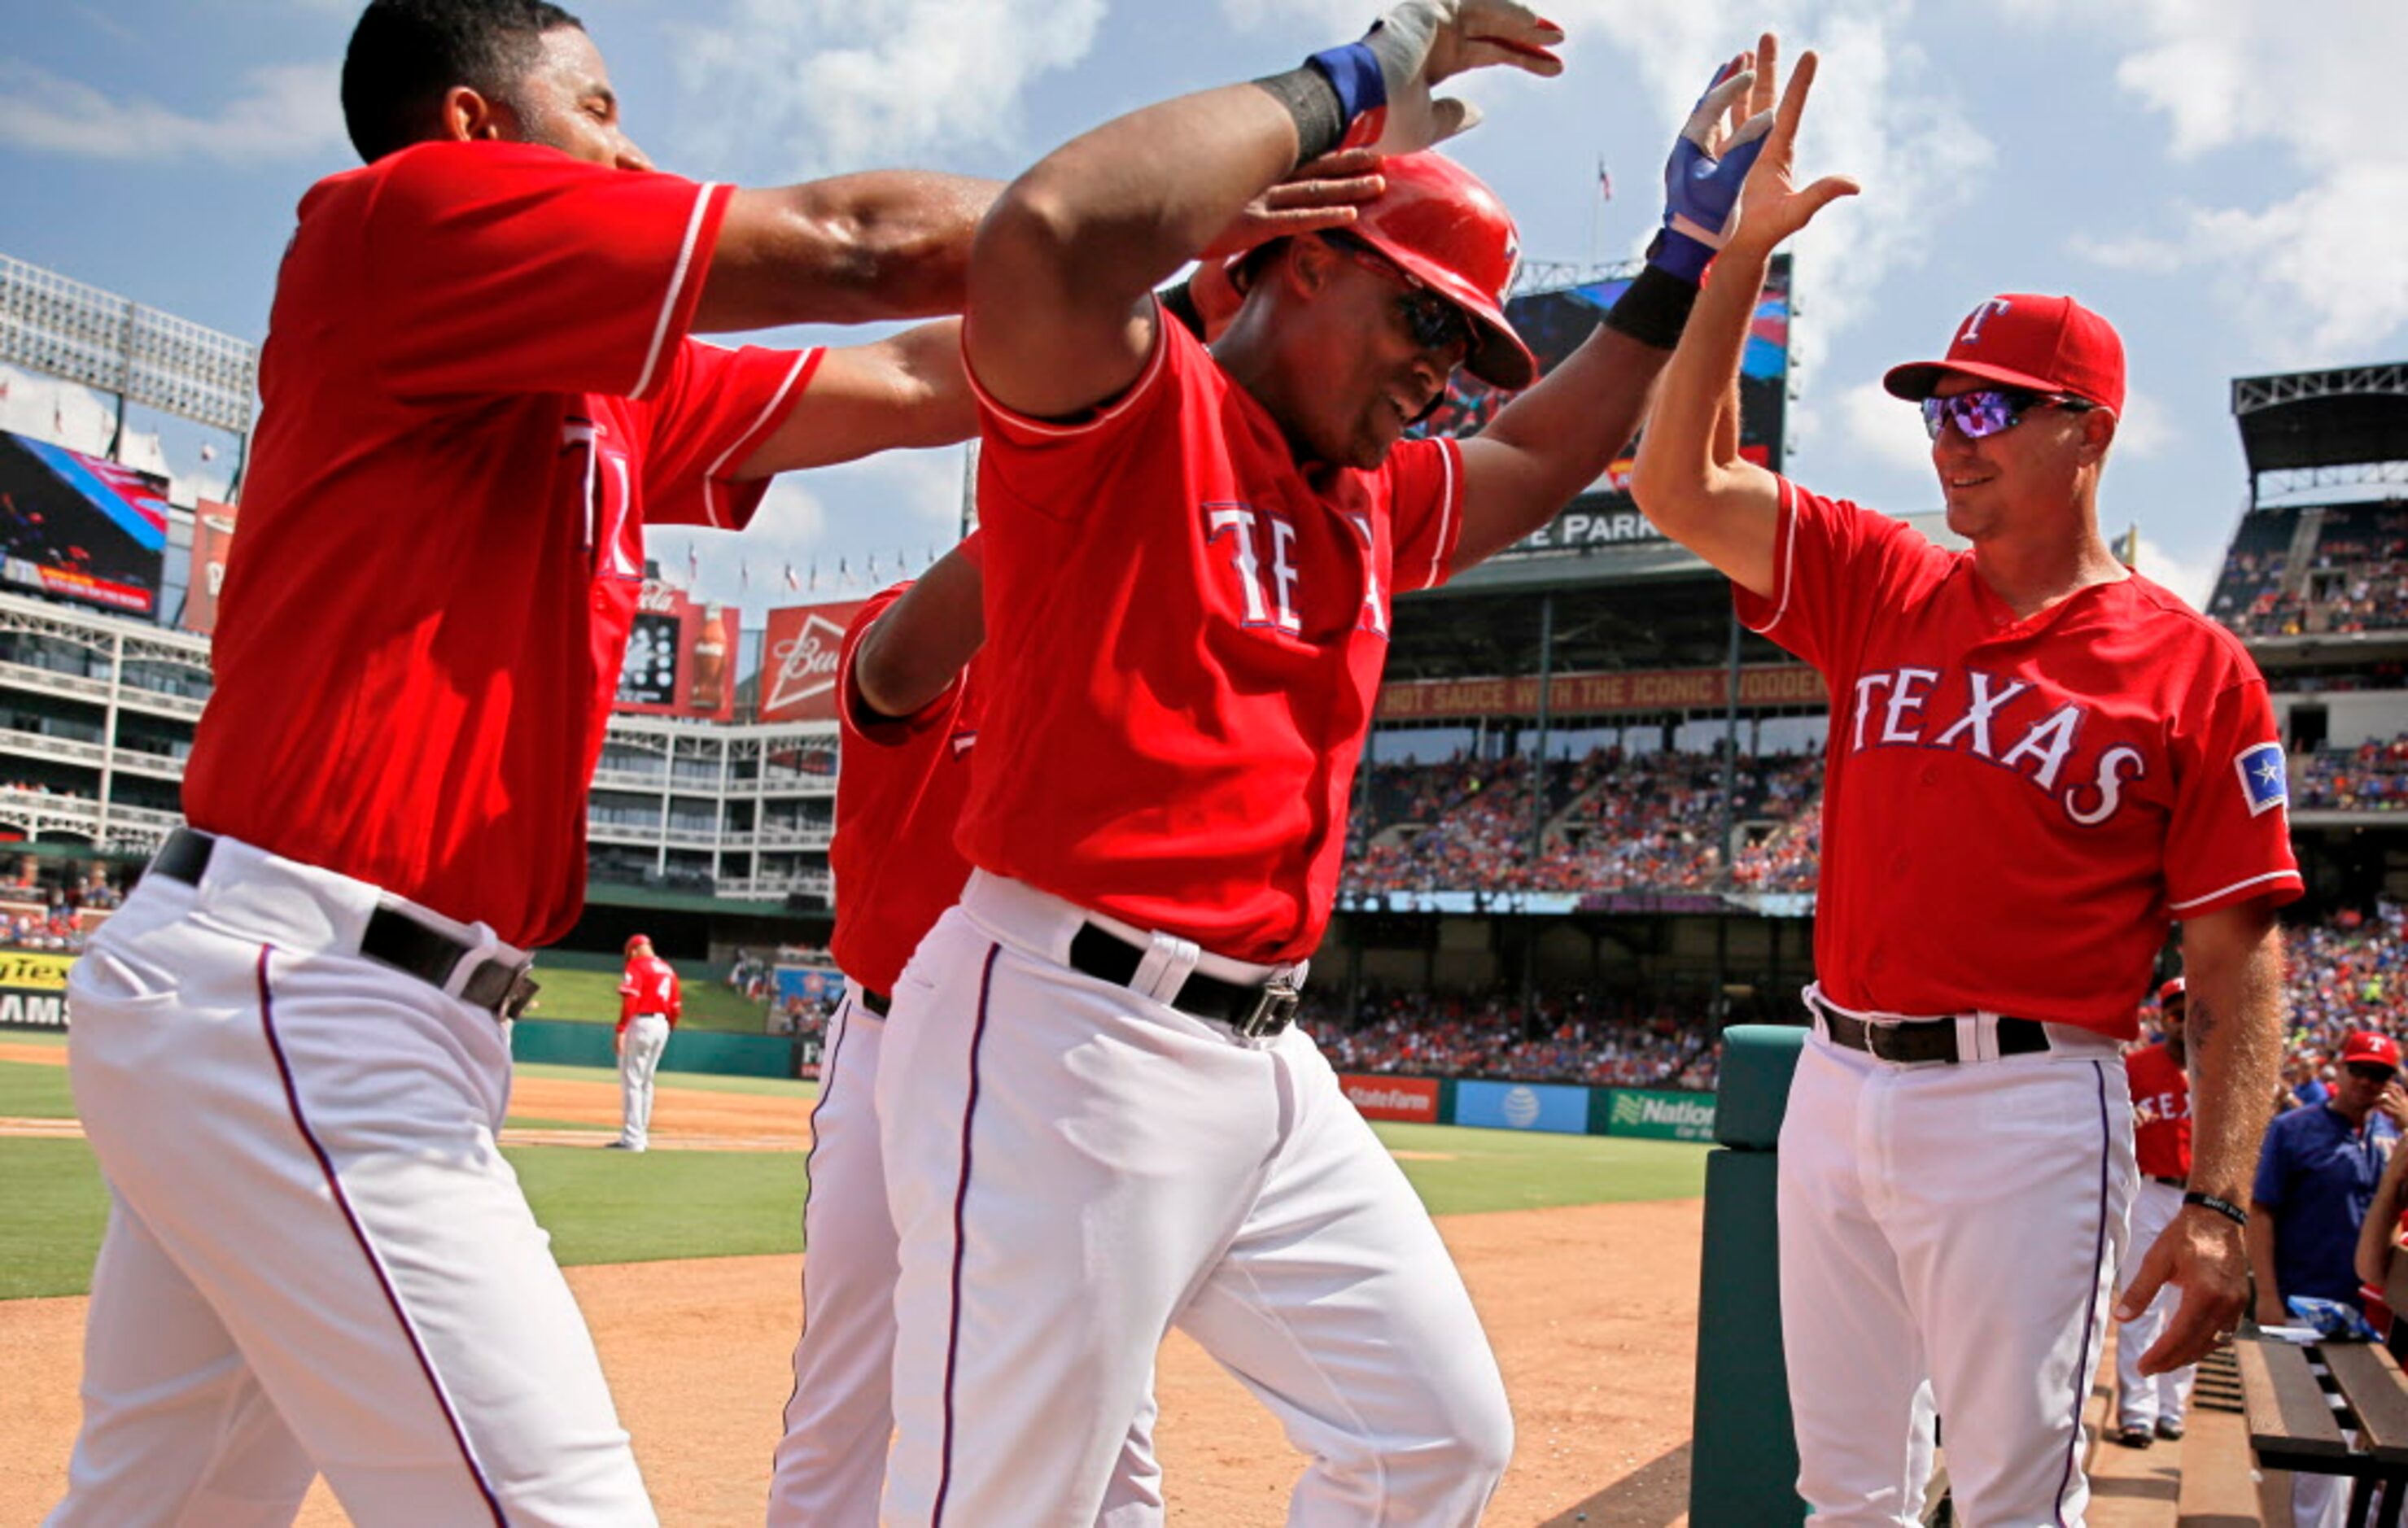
(1956, 1162)
(1099, 1118)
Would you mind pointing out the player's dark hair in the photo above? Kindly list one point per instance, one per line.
(405, 55)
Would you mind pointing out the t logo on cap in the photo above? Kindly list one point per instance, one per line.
(1972, 329)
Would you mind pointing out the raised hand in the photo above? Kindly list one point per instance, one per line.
(1417, 44)
(1771, 206)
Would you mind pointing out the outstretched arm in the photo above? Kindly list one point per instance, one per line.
(886, 244)
(1690, 480)
(1063, 270)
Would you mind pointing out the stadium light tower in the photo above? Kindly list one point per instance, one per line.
(64, 328)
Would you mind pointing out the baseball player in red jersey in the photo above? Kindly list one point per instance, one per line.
(478, 389)
(2036, 759)
(1099, 1119)
(650, 1005)
(2149, 1406)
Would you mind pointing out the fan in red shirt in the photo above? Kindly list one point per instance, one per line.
(2149, 1406)
(2037, 760)
(650, 1003)
(480, 387)
(1098, 1118)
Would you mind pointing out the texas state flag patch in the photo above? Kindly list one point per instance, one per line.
(2265, 784)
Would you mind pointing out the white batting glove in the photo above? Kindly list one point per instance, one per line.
(1384, 80)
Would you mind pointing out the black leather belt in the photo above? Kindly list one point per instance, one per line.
(2169, 1183)
(877, 1002)
(1910, 1041)
(392, 938)
(1255, 1012)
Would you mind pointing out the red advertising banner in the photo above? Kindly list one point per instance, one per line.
(1594, 694)
(799, 661)
(1412, 1098)
(213, 539)
(680, 658)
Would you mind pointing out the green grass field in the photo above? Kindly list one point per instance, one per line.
(607, 1206)
(592, 997)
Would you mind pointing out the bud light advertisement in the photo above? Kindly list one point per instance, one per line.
(799, 658)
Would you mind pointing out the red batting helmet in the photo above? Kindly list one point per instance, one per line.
(1447, 229)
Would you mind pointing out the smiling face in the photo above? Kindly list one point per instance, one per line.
(2032, 471)
(1362, 352)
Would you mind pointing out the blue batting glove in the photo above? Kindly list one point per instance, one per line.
(1700, 187)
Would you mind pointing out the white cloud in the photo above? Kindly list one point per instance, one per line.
(882, 518)
(927, 76)
(286, 111)
(2194, 579)
(1882, 113)
(2145, 428)
(1886, 429)
(2131, 252)
(2324, 270)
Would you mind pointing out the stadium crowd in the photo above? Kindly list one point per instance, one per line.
(2370, 777)
(1600, 1039)
(1612, 821)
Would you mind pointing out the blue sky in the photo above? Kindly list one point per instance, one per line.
(2221, 178)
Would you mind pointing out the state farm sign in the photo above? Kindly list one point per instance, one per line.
(799, 661)
(1412, 1098)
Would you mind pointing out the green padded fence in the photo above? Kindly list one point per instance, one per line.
(572, 1044)
(1744, 1459)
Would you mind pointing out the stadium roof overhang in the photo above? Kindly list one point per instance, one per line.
(1648, 561)
(2313, 421)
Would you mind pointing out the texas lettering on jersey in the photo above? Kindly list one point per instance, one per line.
(2010, 722)
(2152, 1109)
(1267, 580)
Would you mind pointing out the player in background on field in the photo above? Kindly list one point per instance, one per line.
(2036, 757)
(2149, 1406)
(650, 1003)
(1099, 1118)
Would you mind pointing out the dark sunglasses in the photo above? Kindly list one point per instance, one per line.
(2369, 1071)
(1434, 323)
(1980, 414)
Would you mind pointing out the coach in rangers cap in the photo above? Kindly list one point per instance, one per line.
(2036, 759)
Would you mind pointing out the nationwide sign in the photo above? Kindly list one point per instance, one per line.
(1661, 1116)
(799, 661)
(1597, 694)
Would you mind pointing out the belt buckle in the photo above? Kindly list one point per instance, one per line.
(1274, 1007)
(521, 996)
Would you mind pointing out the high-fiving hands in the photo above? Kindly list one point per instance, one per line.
(1417, 44)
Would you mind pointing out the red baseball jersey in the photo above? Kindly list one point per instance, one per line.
(2015, 808)
(899, 787)
(477, 390)
(2160, 1111)
(1185, 630)
(650, 986)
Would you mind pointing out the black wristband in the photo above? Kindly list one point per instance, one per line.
(1179, 301)
(1313, 101)
(2225, 1207)
(1655, 309)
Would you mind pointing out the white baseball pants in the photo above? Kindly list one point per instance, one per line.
(1949, 1235)
(315, 1254)
(2145, 1401)
(832, 1462)
(1074, 1167)
(647, 1035)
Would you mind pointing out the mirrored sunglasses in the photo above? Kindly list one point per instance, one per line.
(1434, 323)
(1989, 410)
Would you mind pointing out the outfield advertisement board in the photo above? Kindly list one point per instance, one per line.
(799, 661)
(1522, 1105)
(1408, 1098)
(1659, 1116)
(34, 989)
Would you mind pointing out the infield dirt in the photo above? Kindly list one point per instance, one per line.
(1592, 1311)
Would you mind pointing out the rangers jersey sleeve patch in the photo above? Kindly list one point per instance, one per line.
(2264, 782)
